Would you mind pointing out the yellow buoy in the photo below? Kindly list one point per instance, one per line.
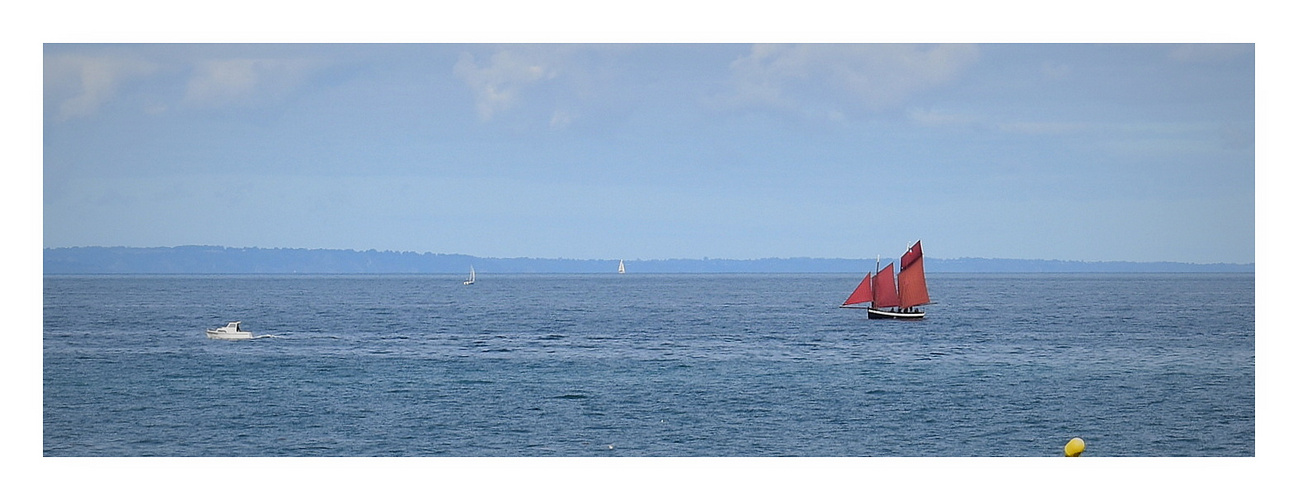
(1074, 448)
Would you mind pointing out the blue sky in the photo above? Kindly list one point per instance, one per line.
(1141, 152)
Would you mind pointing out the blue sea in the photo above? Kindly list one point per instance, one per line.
(679, 365)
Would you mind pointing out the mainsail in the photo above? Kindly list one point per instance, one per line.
(885, 288)
(911, 287)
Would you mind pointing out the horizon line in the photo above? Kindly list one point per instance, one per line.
(705, 258)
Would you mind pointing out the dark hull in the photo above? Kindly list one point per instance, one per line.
(893, 314)
(873, 313)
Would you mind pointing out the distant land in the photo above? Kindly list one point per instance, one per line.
(225, 260)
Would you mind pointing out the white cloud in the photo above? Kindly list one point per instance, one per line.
(561, 119)
(1042, 127)
(233, 81)
(931, 118)
(498, 84)
(81, 84)
(1209, 52)
(869, 77)
(1056, 71)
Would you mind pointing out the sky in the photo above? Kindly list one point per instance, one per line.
(1093, 152)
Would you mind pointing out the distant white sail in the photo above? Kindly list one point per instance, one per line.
(621, 267)
(472, 277)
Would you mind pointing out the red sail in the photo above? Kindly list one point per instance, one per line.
(863, 292)
(911, 254)
(885, 289)
(910, 283)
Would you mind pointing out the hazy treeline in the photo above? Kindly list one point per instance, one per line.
(225, 260)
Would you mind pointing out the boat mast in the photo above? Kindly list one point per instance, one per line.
(874, 286)
(899, 272)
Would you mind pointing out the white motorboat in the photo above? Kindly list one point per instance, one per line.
(229, 332)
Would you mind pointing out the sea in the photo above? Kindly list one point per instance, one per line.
(634, 365)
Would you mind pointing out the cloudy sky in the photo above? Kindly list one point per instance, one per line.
(1140, 152)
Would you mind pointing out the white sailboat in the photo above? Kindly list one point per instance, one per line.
(621, 267)
(472, 277)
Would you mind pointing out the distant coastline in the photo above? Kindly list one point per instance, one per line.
(226, 260)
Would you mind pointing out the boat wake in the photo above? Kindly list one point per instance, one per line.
(268, 336)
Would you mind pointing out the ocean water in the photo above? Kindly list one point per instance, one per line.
(647, 365)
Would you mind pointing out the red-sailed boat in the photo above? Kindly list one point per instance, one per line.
(893, 299)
